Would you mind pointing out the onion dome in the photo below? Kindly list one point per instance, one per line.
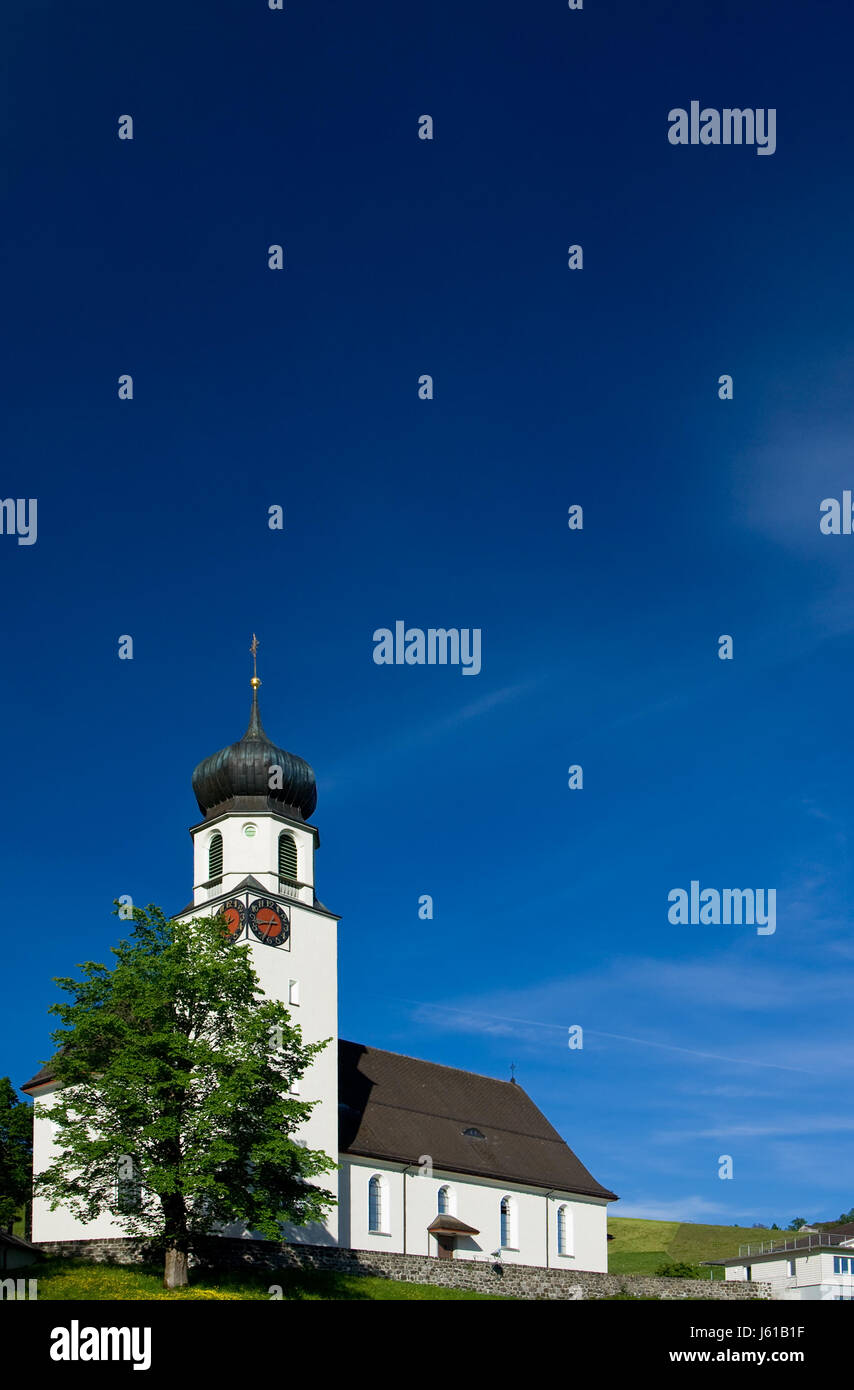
(238, 778)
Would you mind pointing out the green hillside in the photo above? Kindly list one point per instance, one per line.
(639, 1247)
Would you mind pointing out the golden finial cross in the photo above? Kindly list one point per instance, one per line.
(254, 649)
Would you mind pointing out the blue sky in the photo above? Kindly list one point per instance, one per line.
(299, 388)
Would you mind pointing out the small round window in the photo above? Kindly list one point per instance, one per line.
(249, 831)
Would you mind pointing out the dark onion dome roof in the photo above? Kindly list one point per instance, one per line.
(237, 778)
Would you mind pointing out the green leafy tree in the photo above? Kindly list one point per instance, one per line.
(796, 1223)
(175, 1113)
(16, 1153)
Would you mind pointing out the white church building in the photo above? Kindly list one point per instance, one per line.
(431, 1160)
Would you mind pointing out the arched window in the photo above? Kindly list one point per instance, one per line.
(375, 1203)
(507, 1232)
(444, 1204)
(287, 857)
(564, 1231)
(215, 857)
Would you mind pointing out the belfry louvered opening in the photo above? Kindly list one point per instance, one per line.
(215, 857)
(287, 857)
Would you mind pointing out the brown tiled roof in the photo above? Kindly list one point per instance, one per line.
(40, 1079)
(400, 1108)
(451, 1226)
(16, 1243)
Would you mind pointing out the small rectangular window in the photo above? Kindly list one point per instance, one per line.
(293, 991)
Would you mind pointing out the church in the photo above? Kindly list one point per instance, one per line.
(432, 1160)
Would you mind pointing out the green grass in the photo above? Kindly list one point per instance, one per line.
(62, 1279)
(639, 1247)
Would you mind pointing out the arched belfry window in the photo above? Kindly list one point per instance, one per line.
(375, 1204)
(287, 857)
(215, 857)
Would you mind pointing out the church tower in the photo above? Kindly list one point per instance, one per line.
(254, 862)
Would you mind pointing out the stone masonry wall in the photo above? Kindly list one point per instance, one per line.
(512, 1281)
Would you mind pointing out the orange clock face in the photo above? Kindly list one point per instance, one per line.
(269, 921)
(234, 913)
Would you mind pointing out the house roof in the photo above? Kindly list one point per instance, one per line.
(846, 1229)
(6, 1238)
(784, 1253)
(813, 1242)
(450, 1226)
(402, 1109)
(41, 1078)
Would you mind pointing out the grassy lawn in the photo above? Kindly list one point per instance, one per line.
(639, 1247)
(73, 1279)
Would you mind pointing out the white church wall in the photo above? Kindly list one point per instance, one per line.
(477, 1202)
(59, 1224)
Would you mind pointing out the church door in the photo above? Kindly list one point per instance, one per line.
(446, 1247)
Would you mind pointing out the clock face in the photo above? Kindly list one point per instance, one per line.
(234, 913)
(269, 921)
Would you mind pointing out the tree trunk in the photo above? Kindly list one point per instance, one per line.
(175, 1273)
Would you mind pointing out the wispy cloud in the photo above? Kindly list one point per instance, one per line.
(407, 739)
(468, 1020)
(681, 1209)
(789, 1126)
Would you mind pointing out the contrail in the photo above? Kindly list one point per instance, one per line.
(597, 1033)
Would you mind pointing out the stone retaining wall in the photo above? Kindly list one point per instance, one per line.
(481, 1276)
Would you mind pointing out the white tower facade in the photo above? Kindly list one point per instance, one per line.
(254, 862)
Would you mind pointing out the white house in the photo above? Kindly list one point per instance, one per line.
(808, 1265)
(432, 1160)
